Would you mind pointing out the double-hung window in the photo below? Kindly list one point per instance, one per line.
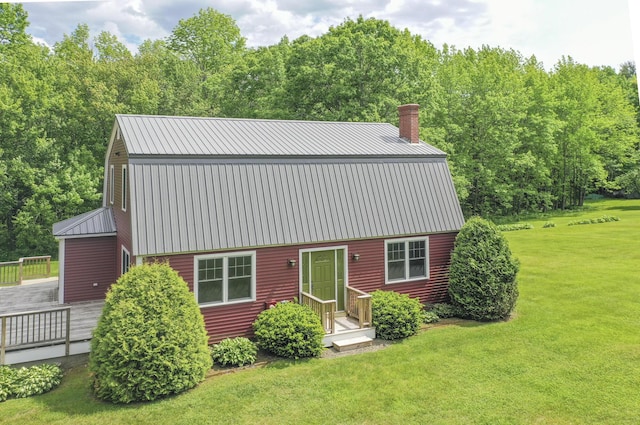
(126, 260)
(112, 182)
(124, 188)
(406, 259)
(226, 278)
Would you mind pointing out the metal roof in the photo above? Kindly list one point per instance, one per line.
(98, 222)
(182, 136)
(190, 207)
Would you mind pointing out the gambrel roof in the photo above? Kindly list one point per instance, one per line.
(206, 184)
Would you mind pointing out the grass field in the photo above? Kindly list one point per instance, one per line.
(570, 355)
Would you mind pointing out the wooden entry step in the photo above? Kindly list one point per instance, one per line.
(353, 343)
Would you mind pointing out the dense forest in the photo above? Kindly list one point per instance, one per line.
(519, 138)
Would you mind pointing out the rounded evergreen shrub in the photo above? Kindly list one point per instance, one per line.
(234, 352)
(150, 340)
(395, 315)
(289, 330)
(482, 279)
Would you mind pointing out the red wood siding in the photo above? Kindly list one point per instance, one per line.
(276, 280)
(89, 261)
(368, 273)
(122, 218)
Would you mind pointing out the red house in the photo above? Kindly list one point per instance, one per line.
(251, 212)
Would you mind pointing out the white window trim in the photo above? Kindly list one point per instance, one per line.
(326, 248)
(112, 182)
(406, 265)
(124, 251)
(124, 187)
(225, 276)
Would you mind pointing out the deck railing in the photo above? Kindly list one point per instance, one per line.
(34, 329)
(326, 310)
(359, 306)
(15, 272)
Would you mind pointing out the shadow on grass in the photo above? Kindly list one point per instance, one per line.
(624, 208)
(462, 323)
(74, 397)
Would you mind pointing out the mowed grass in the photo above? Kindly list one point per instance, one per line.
(570, 355)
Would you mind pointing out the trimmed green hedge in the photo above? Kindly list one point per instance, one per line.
(395, 315)
(289, 330)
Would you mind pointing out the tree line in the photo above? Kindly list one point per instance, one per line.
(519, 138)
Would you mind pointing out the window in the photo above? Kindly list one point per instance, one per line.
(112, 182)
(126, 260)
(124, 188)
(222, 279)
(406, 259)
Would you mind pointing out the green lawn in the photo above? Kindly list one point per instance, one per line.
(571, 355)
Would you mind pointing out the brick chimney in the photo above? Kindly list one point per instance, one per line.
(409, 128)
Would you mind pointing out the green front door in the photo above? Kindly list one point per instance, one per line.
(323, 275)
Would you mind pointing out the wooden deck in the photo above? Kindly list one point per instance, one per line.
(42, 294)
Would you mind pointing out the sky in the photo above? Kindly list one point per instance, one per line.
(593, 32)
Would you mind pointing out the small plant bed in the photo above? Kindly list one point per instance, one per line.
(515, 226)
(603, 219)
(25, 382)
(263, 358)
(234, 352)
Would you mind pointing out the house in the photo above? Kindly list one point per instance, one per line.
(251, 212)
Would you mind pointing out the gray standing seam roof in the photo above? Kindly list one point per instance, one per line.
(204, 207)
(205, 184)
(93, 223)
(179, 136)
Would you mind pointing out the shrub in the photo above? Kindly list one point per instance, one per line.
(430, 317)
(25, 382)
(289, 330)
(395, 315)
(482, 282)
(150, 340)
(603, 219)
(516, 226)
(548, 224)
(234, 352)
(443, 310)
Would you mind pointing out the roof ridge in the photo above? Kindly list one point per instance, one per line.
(180, 117)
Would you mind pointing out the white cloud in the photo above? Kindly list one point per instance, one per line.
(592, 31)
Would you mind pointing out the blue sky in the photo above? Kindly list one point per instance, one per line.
(594, 32)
